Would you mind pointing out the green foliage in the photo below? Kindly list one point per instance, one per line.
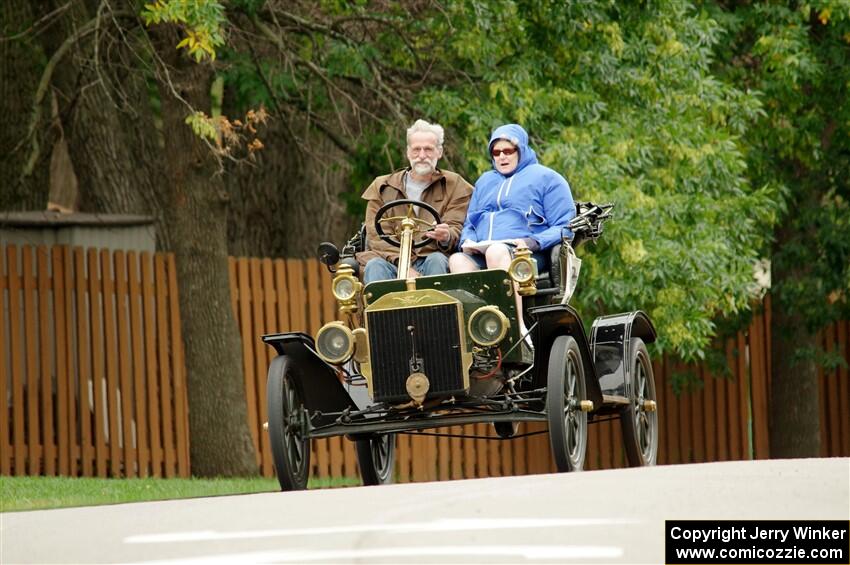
(378, 154)
(250, 7)
(707, 123)
(247, 81)
(202, 125)
(797, 59)
(202, 21)
(621, 99)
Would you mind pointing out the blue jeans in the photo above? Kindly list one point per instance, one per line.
(378, 269)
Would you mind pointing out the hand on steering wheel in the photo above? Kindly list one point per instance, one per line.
(422, 226)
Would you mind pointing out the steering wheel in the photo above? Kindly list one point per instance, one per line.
(421, 225)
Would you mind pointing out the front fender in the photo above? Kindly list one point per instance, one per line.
(321, 388)
(562, 319)
(610, 340)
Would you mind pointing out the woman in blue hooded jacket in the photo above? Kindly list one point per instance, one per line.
(520, 203)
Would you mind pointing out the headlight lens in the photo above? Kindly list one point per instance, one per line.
(344, 288)
(334, 343)
(521, 270)
(488, 326)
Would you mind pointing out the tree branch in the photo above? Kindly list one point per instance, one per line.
(383, 89)
(46, 77)
(40, 92)
(58, 11)
(312, 67)
(332, 135)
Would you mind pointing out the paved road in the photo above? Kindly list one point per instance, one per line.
(595, 517)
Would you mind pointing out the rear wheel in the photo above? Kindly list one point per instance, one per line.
(565, 391)
(640, 419)
(376, 459)
(288, 425)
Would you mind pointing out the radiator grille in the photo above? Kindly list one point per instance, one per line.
(437, 344)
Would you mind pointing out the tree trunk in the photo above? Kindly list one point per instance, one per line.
(290, 201)
(117, 151)
(196, 215)
(109, 126)
(794, 396)
(21, 64)
(101, 153)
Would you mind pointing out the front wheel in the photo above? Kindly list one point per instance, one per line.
(376, 459)
(565, 390)
(640, 419)
(288, 425)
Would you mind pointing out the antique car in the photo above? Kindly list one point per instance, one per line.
(419, 353)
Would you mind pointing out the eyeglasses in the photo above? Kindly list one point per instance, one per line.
(507, 151)
(430, 150)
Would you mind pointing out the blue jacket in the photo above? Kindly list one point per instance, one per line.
(532, 201)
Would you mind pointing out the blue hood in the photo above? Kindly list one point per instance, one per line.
(518, 136)
(531, 202)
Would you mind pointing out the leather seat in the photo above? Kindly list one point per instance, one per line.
(549, 282)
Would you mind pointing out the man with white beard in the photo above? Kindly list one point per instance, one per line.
(445, 191)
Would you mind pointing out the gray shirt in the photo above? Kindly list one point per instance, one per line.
(414, 188)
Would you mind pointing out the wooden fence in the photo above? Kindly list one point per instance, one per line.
(92, 366)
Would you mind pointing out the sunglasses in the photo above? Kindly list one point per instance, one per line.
(509, 151)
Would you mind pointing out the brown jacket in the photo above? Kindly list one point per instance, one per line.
(448, 193)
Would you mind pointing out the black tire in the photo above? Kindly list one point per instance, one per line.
(288, 425)
(565, 391)
(640, 426)
(376, 459)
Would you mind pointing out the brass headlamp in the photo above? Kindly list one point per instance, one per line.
(345, 288)
(488, 326)
(335, 343)
(523, 271)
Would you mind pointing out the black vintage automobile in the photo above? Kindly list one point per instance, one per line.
(418, 353)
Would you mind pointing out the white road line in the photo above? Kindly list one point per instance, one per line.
(445, 525)
(527, 552)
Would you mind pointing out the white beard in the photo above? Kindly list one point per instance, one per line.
(424, 168)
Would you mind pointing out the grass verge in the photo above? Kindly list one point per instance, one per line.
(35, 493)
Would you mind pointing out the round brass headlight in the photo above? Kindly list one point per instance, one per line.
(488, 326)
(334, 343)
(521, 270)
(344, 287)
